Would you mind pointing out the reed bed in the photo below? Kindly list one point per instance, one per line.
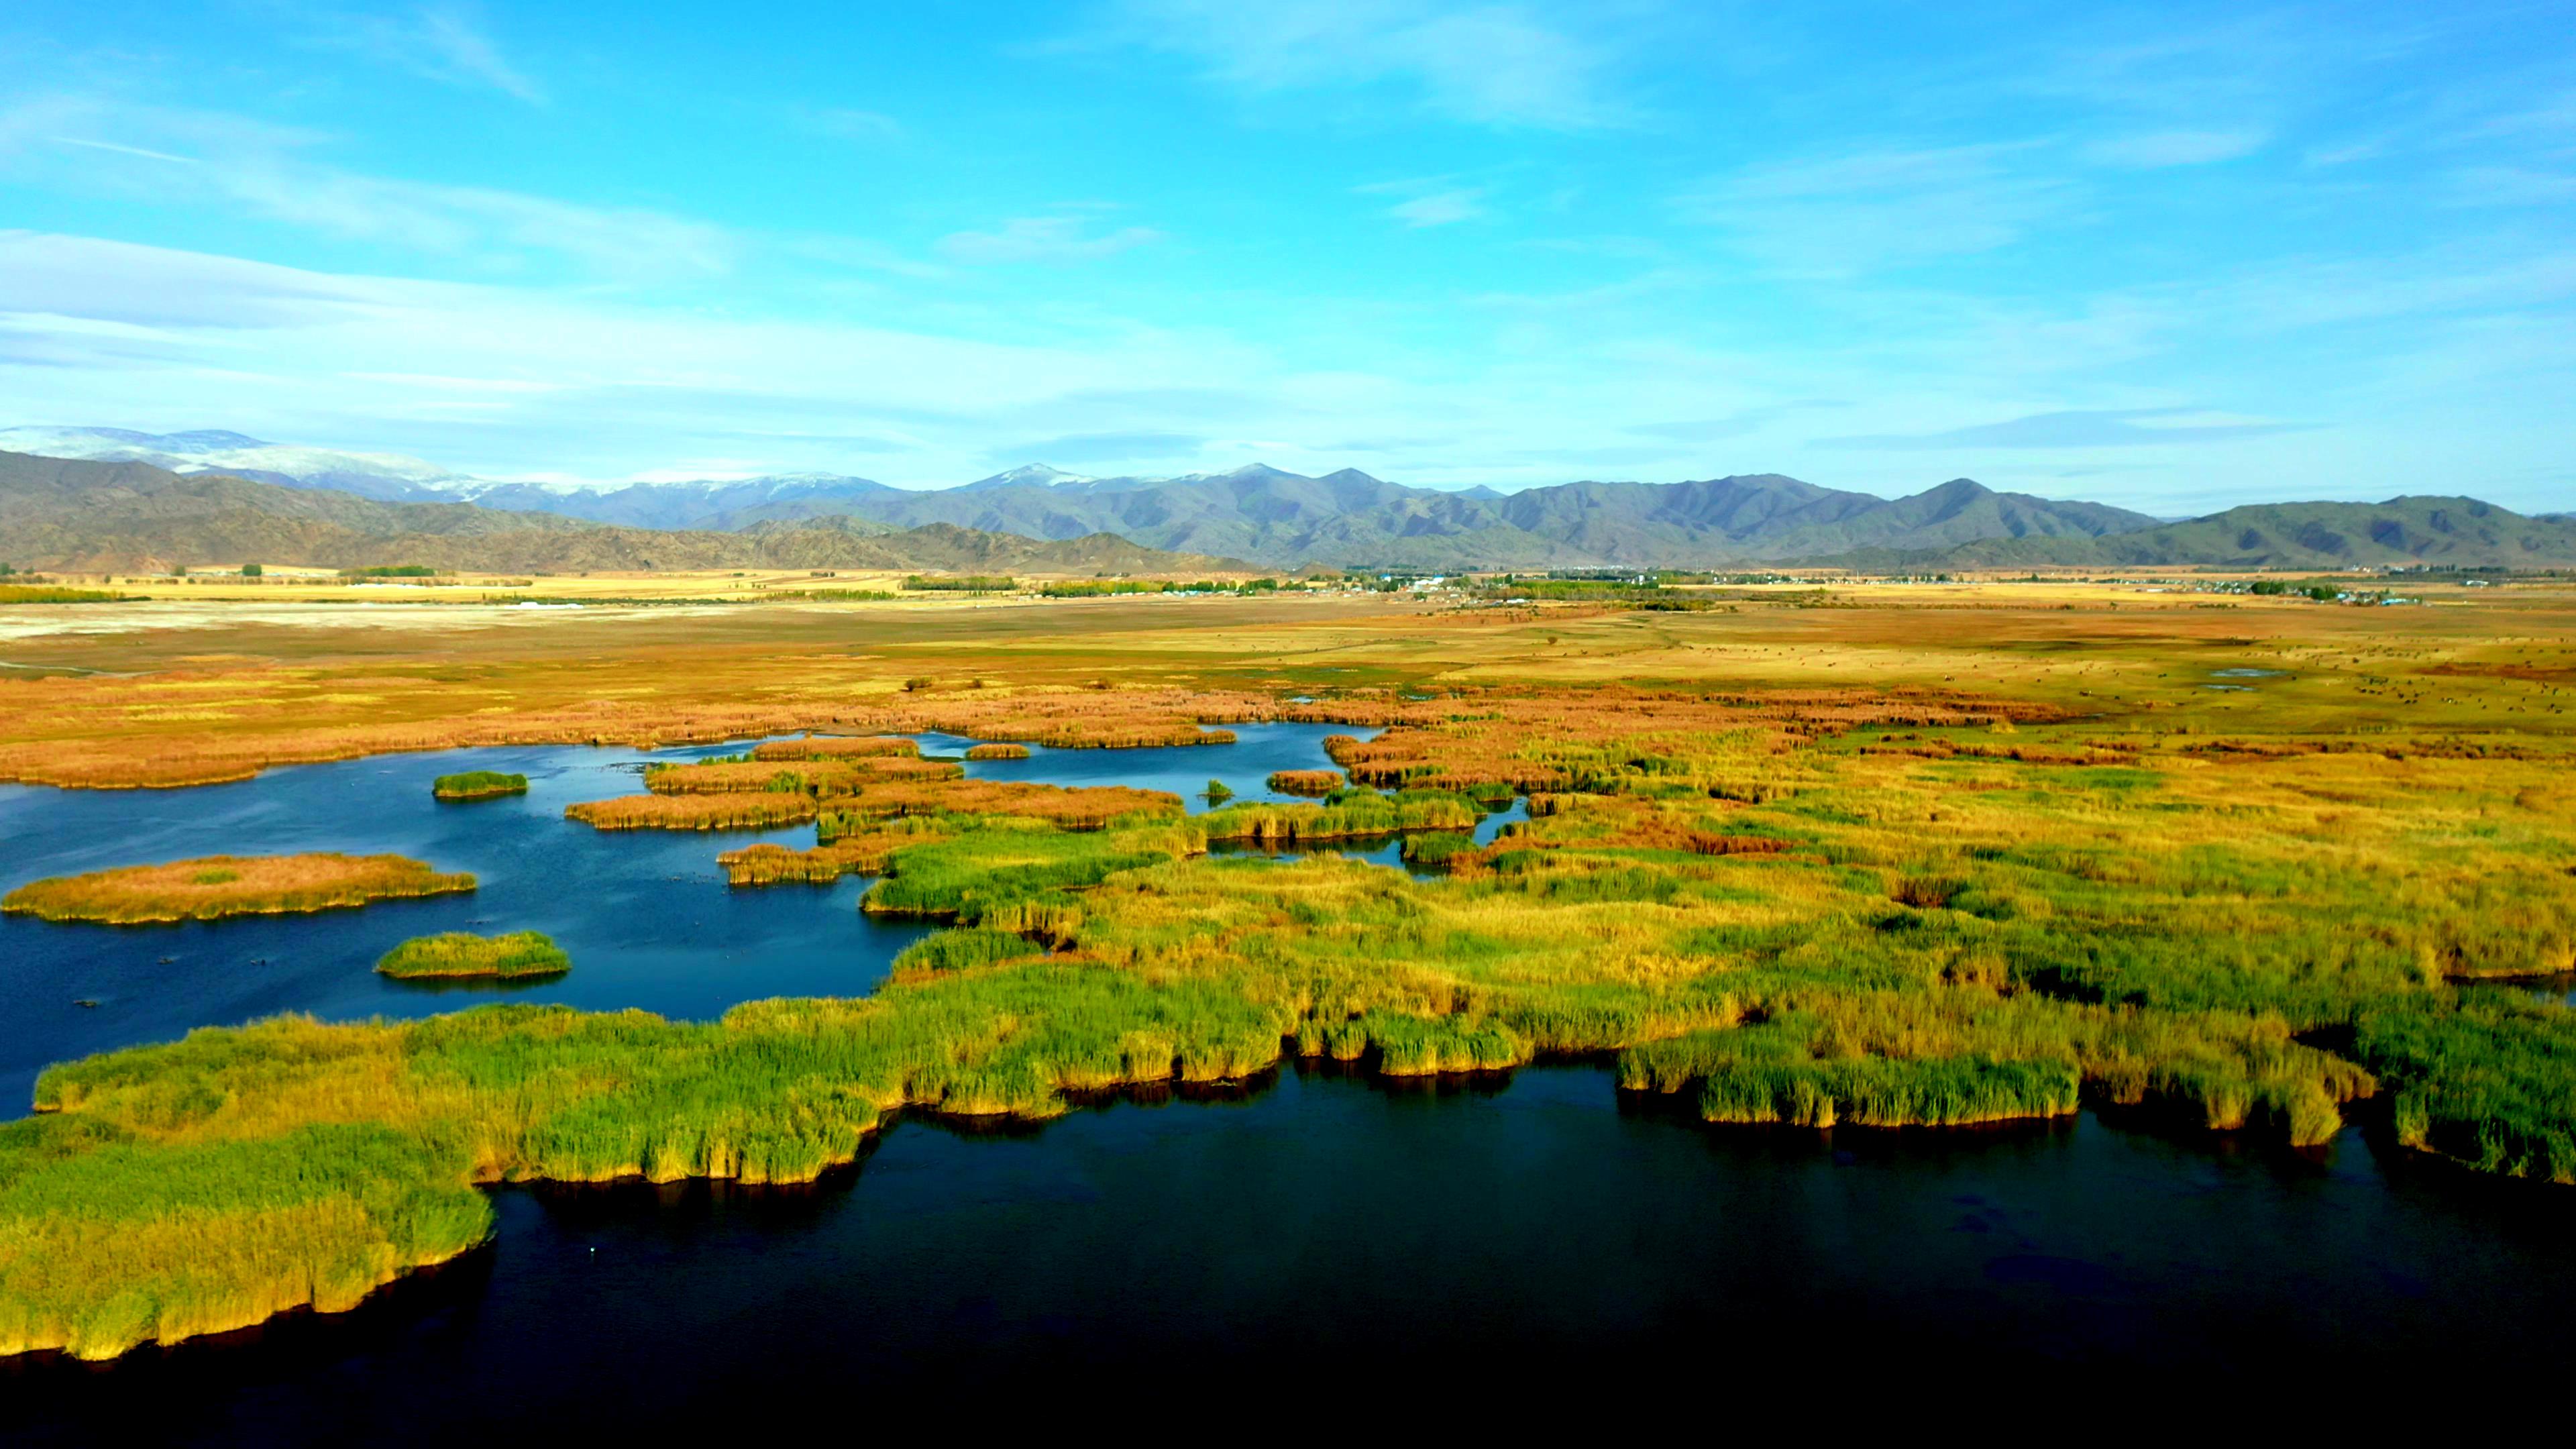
(1088, 807)
(862, 854)
(996, 750)
(739, 777)
(478, 785)
(1342, 815)
(215, 886)
(1306, 782)
(1835, 907)
(833, 747)
(827, 777)
(737, 811)
(462, 954)
(1019, 874)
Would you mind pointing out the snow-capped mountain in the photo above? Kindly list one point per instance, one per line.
(390, 477)
(395, 478)
(1029, 475)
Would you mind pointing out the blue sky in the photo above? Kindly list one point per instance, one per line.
(2173, 256)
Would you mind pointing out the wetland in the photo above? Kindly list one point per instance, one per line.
(1988, 1014)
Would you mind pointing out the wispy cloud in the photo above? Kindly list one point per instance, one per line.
(124, 150)
(1732, 425)
(2159, 149)
(1863, 210)
(444, 43)
(1440, 208)
(849, 124)
(256, 169)
(1100, 448)
(1057, 239)
(1500, 65)
(2111, 428)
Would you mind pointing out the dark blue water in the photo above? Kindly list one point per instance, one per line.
(1303, 1257)
(1524, 1251)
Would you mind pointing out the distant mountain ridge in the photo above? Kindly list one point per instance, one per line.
(1256, 512)
(107, 516)
(1351, 519)
(2466, 532)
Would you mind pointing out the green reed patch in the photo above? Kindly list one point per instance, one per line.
(478, 785)
(464, 954)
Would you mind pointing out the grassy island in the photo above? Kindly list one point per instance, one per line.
(1306, 782)
(997, 751)
(1342, 815)
(1831, 860)
(461, 955)
(230, 885)
(478, 785)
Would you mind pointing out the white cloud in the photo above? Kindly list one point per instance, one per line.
(854, 125)
(1505, 65)
(166, 155)
(1058, 239)
(1872, 209)
(440, 42)
(2175, 148)
(504, 381)
(1440, 208)
(123, 150)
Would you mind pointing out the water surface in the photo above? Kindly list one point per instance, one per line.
(1329, 1236)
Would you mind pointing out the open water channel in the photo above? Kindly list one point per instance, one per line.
(1310, 1237)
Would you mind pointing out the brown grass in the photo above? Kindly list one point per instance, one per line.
(1305, 782)
(997, 752)
(861, 854)
(695, 812)
(1086, 807)
(834, 747)
(230, 885)
(831, 777)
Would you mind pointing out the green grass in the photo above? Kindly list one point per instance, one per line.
(1357, 811)
(478, 785)
(463, 954)
(2481, 1078)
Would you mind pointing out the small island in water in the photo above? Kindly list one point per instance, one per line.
(462, 955)
(214, 886)
(478, 785)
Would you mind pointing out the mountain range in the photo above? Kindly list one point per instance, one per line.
(1350, 519)
(102, 516)
(1256, 512)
